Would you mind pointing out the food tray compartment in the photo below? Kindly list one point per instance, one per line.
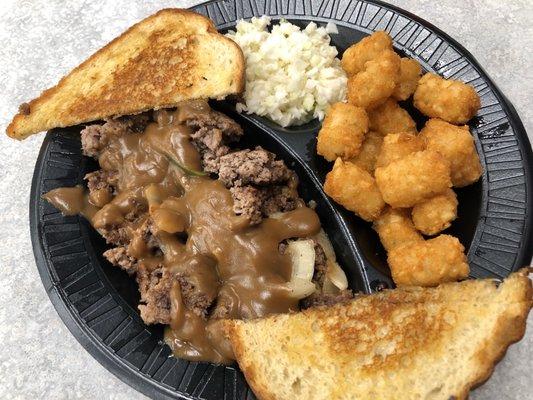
(98, 302)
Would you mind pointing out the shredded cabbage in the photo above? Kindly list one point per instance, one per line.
(292, 75)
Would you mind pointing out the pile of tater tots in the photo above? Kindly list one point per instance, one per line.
(388, 173)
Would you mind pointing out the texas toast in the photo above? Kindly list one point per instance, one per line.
(171, 56)
(408, 343)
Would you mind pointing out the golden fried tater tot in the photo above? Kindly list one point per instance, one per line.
(372, 86)
(355, 189)
(410, 72)
(414, 178)
(394, 227)
(343, 131)
(435, 214)
(370, 149)
(457, 145)
(389, 117)
(397, 146)
(355, 56)
(428, 263)
(450, 100)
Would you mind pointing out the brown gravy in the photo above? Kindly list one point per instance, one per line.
(71, 201)
(198, 233)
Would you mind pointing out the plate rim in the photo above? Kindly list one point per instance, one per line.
(152, 388)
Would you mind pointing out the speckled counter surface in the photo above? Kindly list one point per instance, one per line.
(42, 40)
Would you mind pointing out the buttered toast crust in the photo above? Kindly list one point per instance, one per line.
(424, 343)
(171, 56)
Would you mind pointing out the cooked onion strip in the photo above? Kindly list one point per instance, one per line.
(153, 197)
(300, 288)
(302, 253)
(336, 275)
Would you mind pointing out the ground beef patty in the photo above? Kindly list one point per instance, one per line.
(194, 299)
(119, 257)
(260, 184)
(101, 179)
(120, 234)
(155, 285)
(326, 299)
(117, 235)
(95, 137)
(321, 266)
(252, 167)
(212, 132)
(281, 198)
(257, 202)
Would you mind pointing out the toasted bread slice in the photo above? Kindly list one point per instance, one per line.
(171, 56)
(408, 343)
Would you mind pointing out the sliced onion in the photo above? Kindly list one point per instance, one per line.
(328, 287)
(152, 193)
(336, 275)
(302, 253)
(300, 288)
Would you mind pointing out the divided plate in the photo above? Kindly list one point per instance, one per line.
(98, 302)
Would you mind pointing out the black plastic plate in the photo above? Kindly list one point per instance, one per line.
(98, 302)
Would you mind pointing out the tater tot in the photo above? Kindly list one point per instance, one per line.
(436, 214)
(343, 131)
(372, 86)
(394, 227)
(410, 72)
(389, 117)
(370, 149)
(355, 189)
(355, 56)
(397, 146)
(428, 263)
(457, 145)
(450, 100)
(414, 178)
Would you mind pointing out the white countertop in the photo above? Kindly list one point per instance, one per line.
(42, 40)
